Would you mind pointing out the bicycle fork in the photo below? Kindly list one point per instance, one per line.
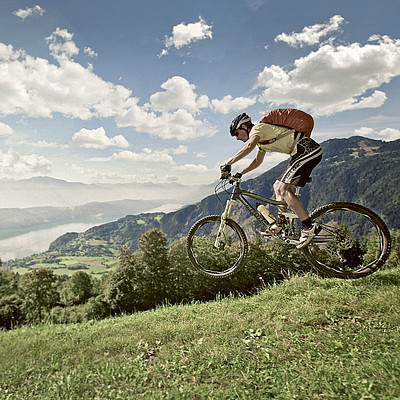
(222, 227)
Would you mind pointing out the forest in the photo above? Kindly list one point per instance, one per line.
(155, 274)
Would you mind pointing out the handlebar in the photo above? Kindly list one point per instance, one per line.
(232, 179)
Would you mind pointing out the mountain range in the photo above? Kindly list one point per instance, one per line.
(51, 192)
(357, 169)
(42, 203)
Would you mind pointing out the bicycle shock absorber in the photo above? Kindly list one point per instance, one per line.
(222, 227)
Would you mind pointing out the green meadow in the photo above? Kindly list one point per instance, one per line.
(305, 338)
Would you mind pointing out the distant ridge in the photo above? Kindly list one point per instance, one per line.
(51, 192)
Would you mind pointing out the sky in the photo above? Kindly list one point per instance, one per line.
(118, 91)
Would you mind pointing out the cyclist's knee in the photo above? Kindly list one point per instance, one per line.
(282, 189)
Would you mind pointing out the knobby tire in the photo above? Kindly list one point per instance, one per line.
(344, 256)
(210, 261)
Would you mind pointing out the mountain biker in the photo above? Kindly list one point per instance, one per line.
(305, 155)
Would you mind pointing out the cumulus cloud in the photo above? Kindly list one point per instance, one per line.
(311, 35)
(6, 130)
(335, 78)
(170, 114)
(90, 52)
(387, 134)
(181, 124)
(178, 93)
(37, 88)
(228, 104)
(29, 12)
(13, 163)
(146, 156)
(185, 34)
(61, 44)
(97, 139)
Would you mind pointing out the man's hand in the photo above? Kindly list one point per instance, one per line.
(225, 171)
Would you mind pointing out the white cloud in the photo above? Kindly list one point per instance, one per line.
(28, 12)
(40, 144)
(228, 104)
(364, 131)
(34, 87)
(180, 150)
(89, 52)
(37, 88)
(6, 130)
(96, 176)
(13, 163)
(180, 124)
(191, 174)
(178, 93)
(147, 156)
(185, 34)
(311, 35)
(387, 134)
(335, 78)
(97, 139)
(61, 44)
(170, 113)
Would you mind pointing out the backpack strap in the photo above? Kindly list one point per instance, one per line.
(282, 135)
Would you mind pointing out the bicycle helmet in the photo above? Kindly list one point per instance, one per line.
(239, 120)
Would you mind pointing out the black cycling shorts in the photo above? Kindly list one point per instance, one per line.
(307, 157)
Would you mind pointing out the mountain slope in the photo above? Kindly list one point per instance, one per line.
(357, 169)
(28, 219)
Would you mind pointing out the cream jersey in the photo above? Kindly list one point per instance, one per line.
(285, 144)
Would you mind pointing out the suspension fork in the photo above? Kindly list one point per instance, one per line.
(224, 216)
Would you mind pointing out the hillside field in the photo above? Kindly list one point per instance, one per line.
(306, 338)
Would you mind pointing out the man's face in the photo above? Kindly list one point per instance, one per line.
(241, 134)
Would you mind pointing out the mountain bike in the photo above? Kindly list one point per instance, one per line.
(353, 241)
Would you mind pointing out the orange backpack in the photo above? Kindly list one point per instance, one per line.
(291, 118)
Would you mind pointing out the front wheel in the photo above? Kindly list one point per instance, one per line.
(353, 242)
(216, 258)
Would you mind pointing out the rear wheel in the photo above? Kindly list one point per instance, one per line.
(221, 261)
(353, 242)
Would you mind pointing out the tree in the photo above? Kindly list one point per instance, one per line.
(10, 302)
(8, 283)
(39, 293)
(121, 291)
(152, 267)
(77, 289)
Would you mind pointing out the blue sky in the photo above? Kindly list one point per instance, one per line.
(105, 91)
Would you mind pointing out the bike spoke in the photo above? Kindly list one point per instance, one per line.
(212, 257)
(353, 241)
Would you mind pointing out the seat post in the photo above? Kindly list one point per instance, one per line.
(297, 188)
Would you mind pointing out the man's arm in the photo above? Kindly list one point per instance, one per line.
(257, 161)
(245, 150)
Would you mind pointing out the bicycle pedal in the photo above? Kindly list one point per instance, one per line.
(270, 233)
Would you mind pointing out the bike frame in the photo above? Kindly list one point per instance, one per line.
(240, 194)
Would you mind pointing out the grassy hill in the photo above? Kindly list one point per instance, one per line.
(307, 338)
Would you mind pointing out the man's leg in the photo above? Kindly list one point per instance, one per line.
(283, 191)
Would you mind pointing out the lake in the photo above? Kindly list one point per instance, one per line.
(36, 241)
